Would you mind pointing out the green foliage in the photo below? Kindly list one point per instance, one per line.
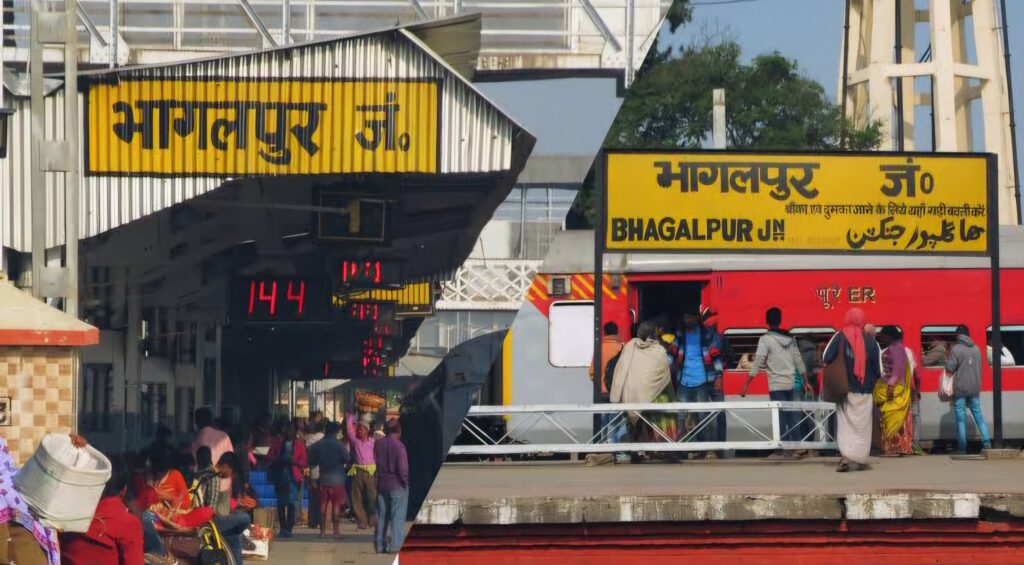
(770, 105)
(679, 13)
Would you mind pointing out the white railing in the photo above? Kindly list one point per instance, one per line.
(814, 415)
(494, 284)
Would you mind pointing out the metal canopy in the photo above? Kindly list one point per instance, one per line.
(474, 136)
(185, 252)
(180, 239)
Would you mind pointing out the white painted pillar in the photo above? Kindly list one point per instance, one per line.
(907, 29)
(718, 126)
(880, 93)
(944, 94)
(857, 109)
(996, 105)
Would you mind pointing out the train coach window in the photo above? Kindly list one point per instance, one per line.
(883, 341)
(812, 342)
(813, 334)
(935, 344)
(571, 334)
(740, 346)
(1013, 345)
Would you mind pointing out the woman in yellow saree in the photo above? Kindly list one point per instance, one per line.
(892, 394)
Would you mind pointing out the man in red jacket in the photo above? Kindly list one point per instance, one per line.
(115, 535)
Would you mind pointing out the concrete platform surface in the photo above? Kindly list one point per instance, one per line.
(306, 548)
(932, 487)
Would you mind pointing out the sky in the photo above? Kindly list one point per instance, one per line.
(572, 115)
(568, 116)
(762, 26)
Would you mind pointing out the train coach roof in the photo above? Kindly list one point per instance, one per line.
(573, 252)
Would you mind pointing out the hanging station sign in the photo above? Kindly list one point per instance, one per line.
(248, 127)
(368, 273)
(410, 300)
(875, 202)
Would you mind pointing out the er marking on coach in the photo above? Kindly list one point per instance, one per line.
(831, 296)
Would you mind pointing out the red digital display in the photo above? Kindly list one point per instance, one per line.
(377, 353)
(372, 348)
(372, 361)
(380, 315)
(361, 273)
(298, 295)
(281, 299)
(266, 292)
(368, 273)
(364, 312)
(351, 370)
(386, 327)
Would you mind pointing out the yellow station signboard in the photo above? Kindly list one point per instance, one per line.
(891, 203)
(262, 127)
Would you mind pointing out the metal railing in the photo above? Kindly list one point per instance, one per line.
(167, 30)
(812, 415)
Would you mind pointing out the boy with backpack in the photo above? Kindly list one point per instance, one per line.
(611, 346)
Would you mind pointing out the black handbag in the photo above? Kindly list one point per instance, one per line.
(609, 372)
(835, 381)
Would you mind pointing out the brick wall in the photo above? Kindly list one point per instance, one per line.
(39, 382)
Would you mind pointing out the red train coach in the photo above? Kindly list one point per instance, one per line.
(926, 297)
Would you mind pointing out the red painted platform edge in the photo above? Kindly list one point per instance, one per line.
(909, 542)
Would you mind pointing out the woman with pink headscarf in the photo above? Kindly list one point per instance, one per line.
(863, 369)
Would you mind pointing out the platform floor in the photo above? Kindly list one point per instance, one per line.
(306, 548)
(929, 487)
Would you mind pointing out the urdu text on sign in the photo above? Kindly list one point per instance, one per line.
(256, 127)
(797, 202)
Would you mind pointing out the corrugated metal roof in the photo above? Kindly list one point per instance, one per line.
(476, 137)
(456, 40)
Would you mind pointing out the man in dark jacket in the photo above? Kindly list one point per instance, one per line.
(964, 363)
(333, 460)
(392, 489)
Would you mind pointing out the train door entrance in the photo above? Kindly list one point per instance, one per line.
(665, 302)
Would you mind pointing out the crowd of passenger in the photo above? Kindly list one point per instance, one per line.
(351, 470)
(878, 406)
